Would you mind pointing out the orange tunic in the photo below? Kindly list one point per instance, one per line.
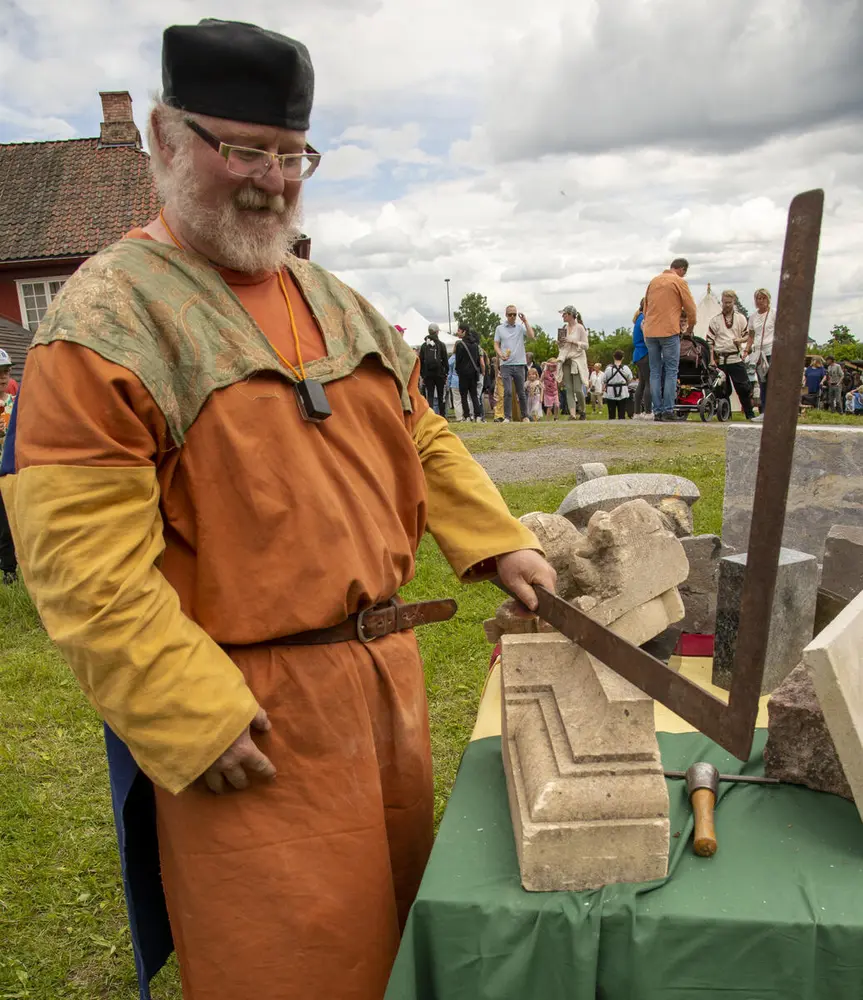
(272, 525)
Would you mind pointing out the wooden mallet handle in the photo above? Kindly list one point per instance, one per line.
(702, 786)
(704, 840)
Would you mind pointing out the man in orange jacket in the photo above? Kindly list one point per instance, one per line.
(667, 296)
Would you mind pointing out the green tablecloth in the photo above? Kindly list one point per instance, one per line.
(777, 913)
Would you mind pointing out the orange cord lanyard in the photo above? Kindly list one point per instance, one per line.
(299, 375)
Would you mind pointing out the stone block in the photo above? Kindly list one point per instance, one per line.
(623, 572)
(609, 492)
(587, 795)
(791, 622)
(826, 485)
(589, 470)
(560, 539)
(842, 573)
(699, 589)
(627, 559)
(835, 665)
(799, 747)
(581, 503)
(676, 516)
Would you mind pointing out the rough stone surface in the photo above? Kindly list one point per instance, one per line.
(588, 800)
(835, 665)
(799, 747)
(843, 561)
(560, 539)
(589, 470)
(626, 559)
(609, 492)
(826, 485)
(791, 623)
(623, 572)
(676, 515)
(698, 590)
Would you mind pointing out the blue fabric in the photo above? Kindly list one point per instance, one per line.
(639, 346)
(134, 805)
(452, 379)
(813, 379)
(664, 354)
(7, 460)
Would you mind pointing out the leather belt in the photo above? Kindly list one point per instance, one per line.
(369, 624)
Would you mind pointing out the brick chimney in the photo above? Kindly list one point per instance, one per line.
(118, 126)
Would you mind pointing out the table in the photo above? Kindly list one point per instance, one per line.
(776, 914)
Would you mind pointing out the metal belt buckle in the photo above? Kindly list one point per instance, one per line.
(389, 608)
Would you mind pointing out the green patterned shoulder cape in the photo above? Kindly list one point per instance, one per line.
(169, 318)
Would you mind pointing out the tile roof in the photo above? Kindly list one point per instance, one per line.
(16, 341)
(70, 197)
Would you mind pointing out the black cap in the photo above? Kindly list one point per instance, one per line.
(228, 69)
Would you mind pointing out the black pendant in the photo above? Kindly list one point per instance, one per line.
(312, 401)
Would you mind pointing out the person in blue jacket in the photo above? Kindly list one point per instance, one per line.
(639, 358)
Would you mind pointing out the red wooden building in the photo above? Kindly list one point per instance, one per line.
(60, 203)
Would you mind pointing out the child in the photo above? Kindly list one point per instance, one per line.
(550, 398)
(534, 395)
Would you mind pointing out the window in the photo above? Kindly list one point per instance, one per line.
(34, 298)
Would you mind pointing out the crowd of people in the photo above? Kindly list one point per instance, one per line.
(736, 353)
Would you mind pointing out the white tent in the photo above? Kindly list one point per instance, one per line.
(706, 309)
(416, 328)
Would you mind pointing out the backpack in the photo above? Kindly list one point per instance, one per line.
(432, 365)
(617, 370)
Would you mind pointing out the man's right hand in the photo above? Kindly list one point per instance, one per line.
(241, 760)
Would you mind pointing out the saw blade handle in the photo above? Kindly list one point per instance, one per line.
(704, 840)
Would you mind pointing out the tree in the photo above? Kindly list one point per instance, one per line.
(740, 307)
(602, 345)
(543, 347)
(840, 334)
(475, 312)
(842, 345)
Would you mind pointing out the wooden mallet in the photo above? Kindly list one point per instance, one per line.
(702, 786)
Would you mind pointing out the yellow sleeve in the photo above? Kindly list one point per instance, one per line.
(466, 515)
(88, 541)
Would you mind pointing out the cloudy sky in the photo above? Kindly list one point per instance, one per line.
(542, 153)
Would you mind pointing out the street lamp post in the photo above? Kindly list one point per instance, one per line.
(448, 312)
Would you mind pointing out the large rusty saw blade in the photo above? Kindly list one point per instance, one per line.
(732, 726)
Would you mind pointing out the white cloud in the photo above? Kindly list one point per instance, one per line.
(348, 162)
(563, 151)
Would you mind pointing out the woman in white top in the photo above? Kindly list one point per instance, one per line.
(759, 346)
(572, 368)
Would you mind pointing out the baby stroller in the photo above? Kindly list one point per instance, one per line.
(701, 388)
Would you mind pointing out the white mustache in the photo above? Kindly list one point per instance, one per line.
(252, 197)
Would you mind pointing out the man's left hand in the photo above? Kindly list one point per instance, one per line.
(520, 571)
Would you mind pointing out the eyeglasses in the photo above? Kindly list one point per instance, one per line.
(255, 163)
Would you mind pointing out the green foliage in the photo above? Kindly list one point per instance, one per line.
(602, 345)
(741, 308)
(840, 334)
(543, 347)
(842, 345)
(474, 310)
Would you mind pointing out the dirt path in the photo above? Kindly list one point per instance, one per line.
(541, 463)
(518, 453)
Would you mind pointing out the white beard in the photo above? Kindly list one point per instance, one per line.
(251, 232)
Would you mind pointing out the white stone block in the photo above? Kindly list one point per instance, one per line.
(834, 659)
(587, 794)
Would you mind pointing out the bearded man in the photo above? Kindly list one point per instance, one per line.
(223, 469)
(726, 336)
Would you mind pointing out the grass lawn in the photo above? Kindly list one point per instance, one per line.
(62, 918)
